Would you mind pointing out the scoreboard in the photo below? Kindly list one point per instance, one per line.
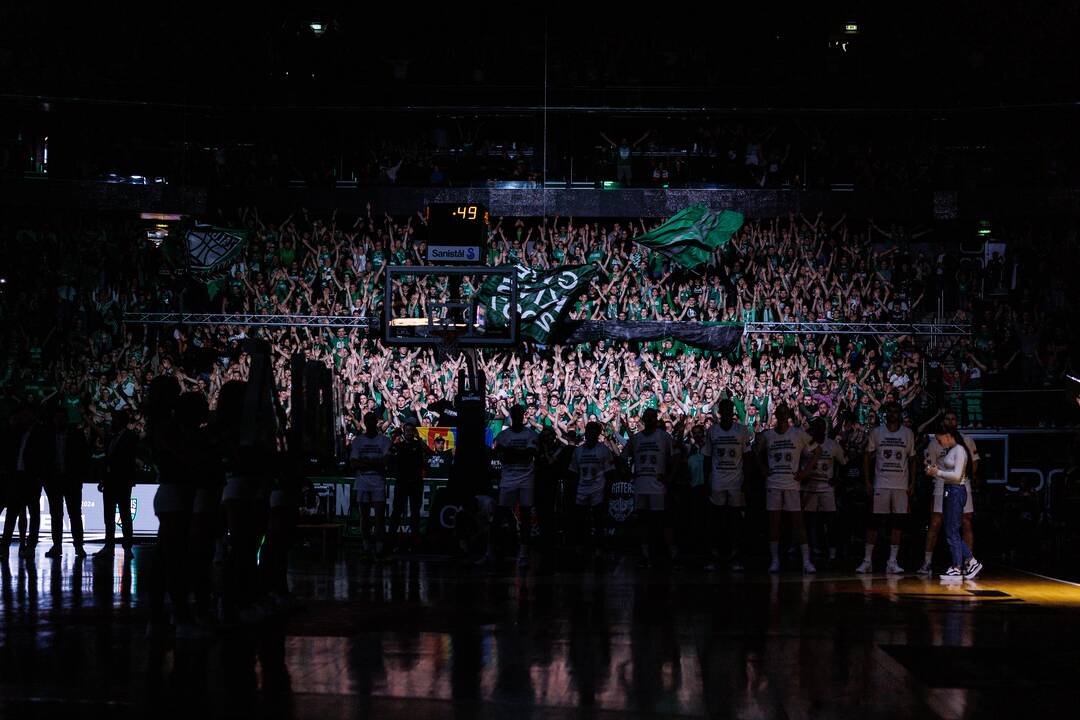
(456, 233)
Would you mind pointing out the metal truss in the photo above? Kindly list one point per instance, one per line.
(371, 324)
(252, 320)
(847, 328)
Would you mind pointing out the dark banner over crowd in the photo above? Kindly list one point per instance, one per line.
(720, 337)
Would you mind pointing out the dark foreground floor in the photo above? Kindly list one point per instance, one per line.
(428, 639)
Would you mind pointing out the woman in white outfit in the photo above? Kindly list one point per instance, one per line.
(952, 470)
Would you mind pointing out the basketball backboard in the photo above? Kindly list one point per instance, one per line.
(433, 306)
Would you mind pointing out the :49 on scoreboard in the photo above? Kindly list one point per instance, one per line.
(452, 223)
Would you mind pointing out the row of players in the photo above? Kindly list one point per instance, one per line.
(800, 468)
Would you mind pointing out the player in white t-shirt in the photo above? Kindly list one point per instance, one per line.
(592, 465)
(934, 454)
(780, 453)
(889, 471)
(367, 456)
(818, 496)
(725, 444)
(650, 453)
(516, 447)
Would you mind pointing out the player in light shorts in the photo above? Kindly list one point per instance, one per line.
(725, 444)
(592, 466)
(818, 497)
(516, 447)
(934, 453)
(889, 471)
(650, 452)
(367, 456)
(779, 452)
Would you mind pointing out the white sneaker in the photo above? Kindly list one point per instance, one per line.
(774, 566)
(736, 566)
(865, 567)
(974, 567)
(926, 569)
(893, 568)
(711, 567)
(808, 568)
(953, 574)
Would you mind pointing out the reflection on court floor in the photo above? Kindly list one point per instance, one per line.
(425, 637)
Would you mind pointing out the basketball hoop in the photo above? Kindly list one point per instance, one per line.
(447, 334)
(446, 347)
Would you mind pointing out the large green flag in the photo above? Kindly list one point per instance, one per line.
(690, 236)
(545, 297)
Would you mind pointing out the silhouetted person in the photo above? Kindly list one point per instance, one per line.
(18, 485)
(368, 458)
(409, 460)
(8, 447)
(592, 468)
(240, 499)
(60, 456)
(207, 479)
(173, 501)
(650, 450)
(121, 462)
(551, 463)
(624, 157)
(281, 527)
(26, 493)
(516, 447)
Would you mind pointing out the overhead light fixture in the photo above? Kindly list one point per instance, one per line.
(851, 28)
(317, 27)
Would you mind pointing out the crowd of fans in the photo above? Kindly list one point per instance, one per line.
(70, 281)
(1023, 333)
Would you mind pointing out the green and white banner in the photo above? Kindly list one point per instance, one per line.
(213, 248)
(545, 297)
